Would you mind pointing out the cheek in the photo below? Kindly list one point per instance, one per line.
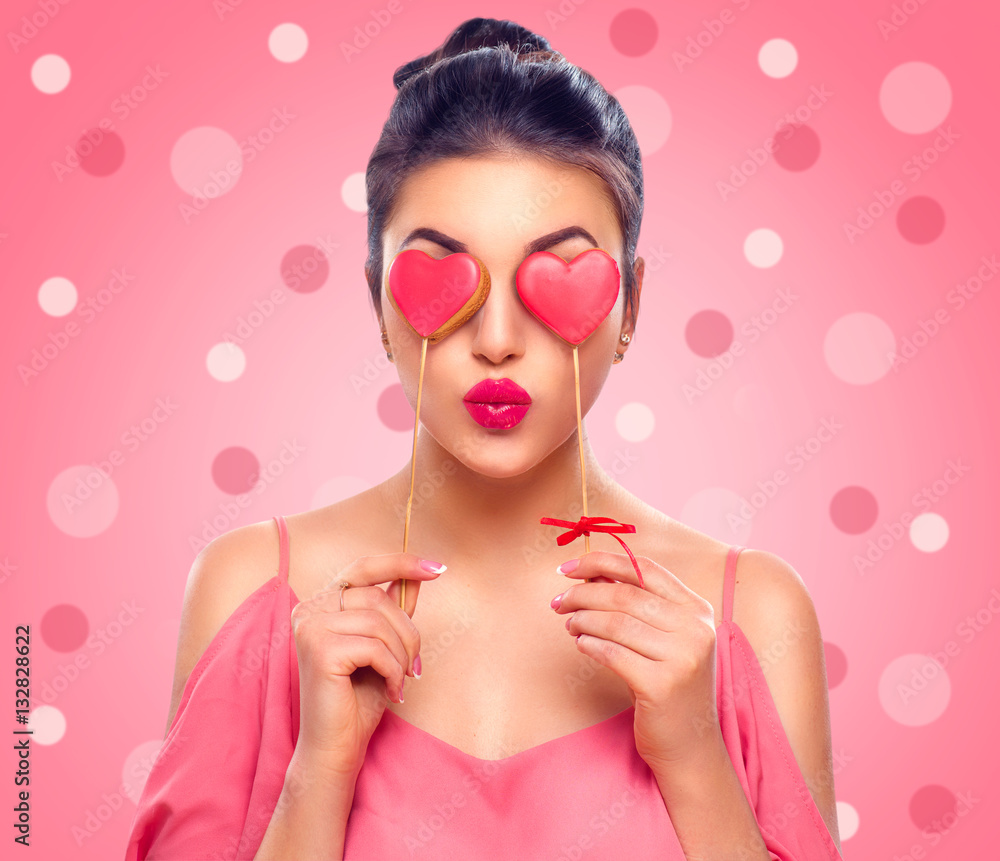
(559, 379)
(596, 355)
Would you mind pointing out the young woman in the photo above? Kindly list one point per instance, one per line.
(558, 707)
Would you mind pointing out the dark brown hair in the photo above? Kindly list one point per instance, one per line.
(495, 87)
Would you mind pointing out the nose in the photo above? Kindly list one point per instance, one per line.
(499, 326)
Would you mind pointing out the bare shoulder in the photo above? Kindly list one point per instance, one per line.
(698, 560)
(773, 608)
(223, 575)
(325, 540)
(770, 599)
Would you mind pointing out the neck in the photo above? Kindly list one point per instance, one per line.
(489, 527)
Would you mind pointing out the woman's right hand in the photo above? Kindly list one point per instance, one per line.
(350, 661)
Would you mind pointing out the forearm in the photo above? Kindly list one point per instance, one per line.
(709, 810)
(310, 817)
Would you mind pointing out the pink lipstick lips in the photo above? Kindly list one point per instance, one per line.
(497, 403)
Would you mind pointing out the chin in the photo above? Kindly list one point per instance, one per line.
(495, 458)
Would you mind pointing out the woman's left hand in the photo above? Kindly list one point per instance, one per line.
(660, 640)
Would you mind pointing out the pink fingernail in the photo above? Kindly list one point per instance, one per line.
(417, 669)
(433, 567)
(568, 567)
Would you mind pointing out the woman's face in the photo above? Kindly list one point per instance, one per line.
(494, 208)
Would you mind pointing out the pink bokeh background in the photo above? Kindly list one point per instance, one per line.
(813, 371)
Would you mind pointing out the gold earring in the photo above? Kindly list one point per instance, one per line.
(385, 343)
(625, 338)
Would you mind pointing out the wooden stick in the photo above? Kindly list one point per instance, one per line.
(413, 468)
(579, 439)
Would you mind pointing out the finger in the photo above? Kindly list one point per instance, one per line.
(370, 623)
(373, 570)
(617, 598)
(621, 628)
(360, 651)
(618, 566)
(387, 603)
(412, 590)
(383, 568)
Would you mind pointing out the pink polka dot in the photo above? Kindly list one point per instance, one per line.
(716, 510)
(394, 410)
(836, 664)
(796, 147)
(853, 509)
(920, 219)
(235, 470)
(858, 348)
(101, 152)
(914, 689)
(633, 32)
(64, 627)
(206, 161)
(649, 114)
(83, 500)
(304, 268)
(138, 764)
(932, 808)
(915, 97)
(709, 333)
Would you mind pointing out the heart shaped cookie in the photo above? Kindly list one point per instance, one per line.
(573, 298)
(434, 296)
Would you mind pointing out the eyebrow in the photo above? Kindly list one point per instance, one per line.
(540, 244)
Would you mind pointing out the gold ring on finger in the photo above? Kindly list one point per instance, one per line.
(343, 585)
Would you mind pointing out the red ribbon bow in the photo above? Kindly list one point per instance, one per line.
(586, 525)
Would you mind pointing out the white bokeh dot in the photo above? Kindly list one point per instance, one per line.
(206, 161)
(915, 97)
(50, 73)
(929, 532)
(57, 296)
(648, 113)
(288, 42)
(82, 500)
(848, 820)
(47, 724)
(635, 421)
(914, 690)
(226, 362)
(763, 247)
(859, 348)
(718, 511)
(338, 488)
(352, 192)
(777, 58)
(138, 765)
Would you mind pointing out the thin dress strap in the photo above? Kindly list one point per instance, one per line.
(729, 582)
(282, 549)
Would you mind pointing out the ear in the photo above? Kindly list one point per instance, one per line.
(632, 312)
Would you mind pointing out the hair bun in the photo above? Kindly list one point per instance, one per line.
(473, 34)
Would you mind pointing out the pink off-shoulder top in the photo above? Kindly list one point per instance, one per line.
(213, 787)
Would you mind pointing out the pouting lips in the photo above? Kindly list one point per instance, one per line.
(502, 415)
(499, 392)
